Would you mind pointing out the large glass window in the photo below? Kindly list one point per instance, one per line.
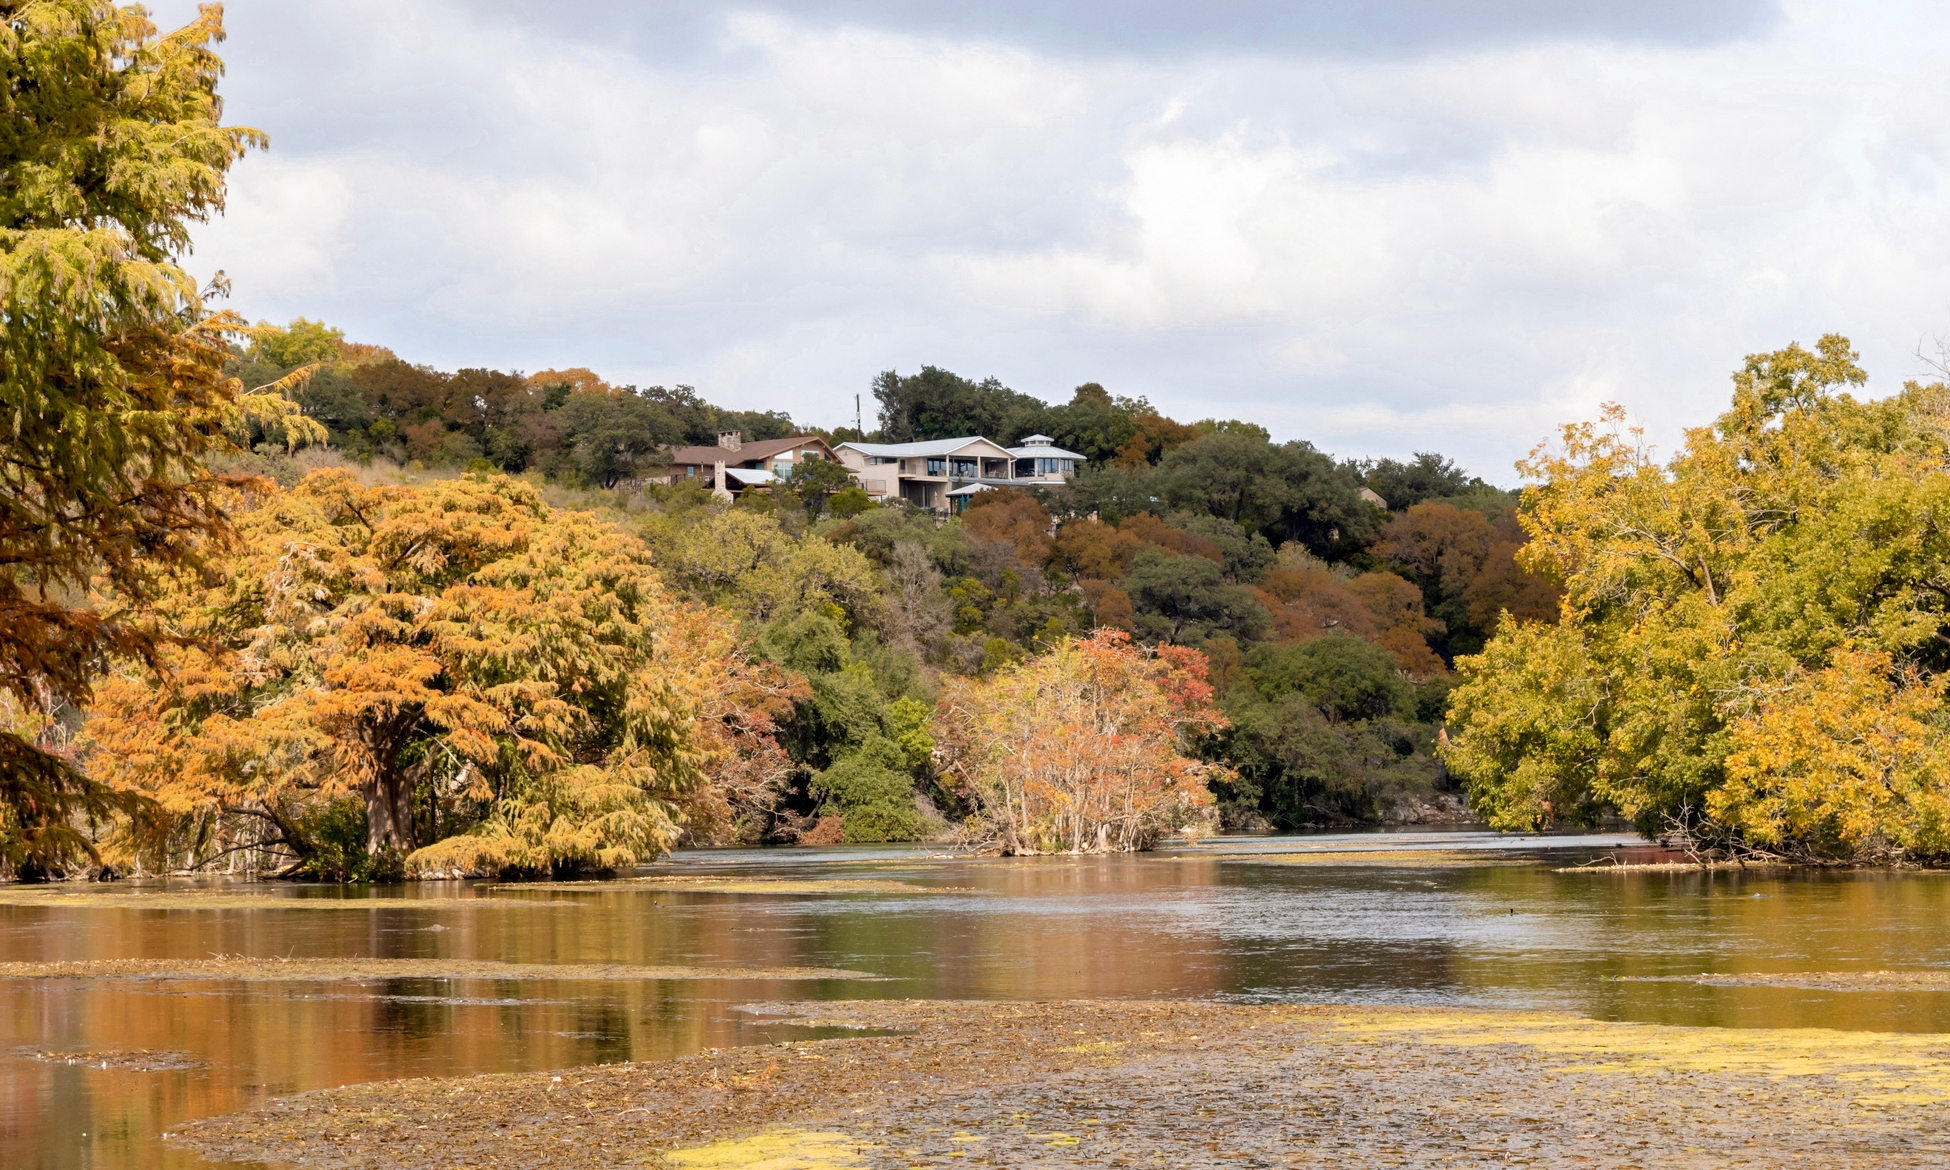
(937, 467)
(1025, 468)
(963, 467)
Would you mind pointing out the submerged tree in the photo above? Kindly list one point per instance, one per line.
(1083, 749)
(110, 369)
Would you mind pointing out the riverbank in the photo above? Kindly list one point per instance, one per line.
(1155, 1084)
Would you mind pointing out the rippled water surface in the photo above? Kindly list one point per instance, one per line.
(93, 1071)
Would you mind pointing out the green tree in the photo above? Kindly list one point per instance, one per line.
(815, 481)
(1343, 676)
(1185, 599)
(1283, 492)
(873, 792)
(1802, 525)
(613, 437)
(300, 343)
(1428, 476)
(939, 404)
(110, 368)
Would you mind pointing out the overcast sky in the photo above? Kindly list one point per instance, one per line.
(1382, 225)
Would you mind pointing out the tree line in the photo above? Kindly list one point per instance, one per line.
(240, 628)
(234, 637)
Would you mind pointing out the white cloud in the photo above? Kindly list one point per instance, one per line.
(281, 230)
(1453, 251)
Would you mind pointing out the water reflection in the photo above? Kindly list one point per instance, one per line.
(1226, 919)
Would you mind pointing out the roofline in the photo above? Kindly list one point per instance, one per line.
(922, 449)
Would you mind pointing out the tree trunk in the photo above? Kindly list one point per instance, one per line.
(389, 814)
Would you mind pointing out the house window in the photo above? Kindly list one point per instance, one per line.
(963, 467)
(937, 467)
(1025, 468)
(876, 460)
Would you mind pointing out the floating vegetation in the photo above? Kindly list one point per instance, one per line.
(253, 970)
(95, 898)
(1156, 1083)
(1812, 980)
(1673, 866)
(121, 1060)
(1915, 1067)
(740, 885)
(776, 1149)
(1445, 858)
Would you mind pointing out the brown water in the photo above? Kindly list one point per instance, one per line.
(1177, 924)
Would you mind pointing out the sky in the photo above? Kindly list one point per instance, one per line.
(1383, 226)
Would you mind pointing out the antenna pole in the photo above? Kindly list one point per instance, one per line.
(857, 424)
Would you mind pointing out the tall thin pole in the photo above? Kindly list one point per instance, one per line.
(858, 428)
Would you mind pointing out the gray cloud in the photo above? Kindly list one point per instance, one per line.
(1171, 28)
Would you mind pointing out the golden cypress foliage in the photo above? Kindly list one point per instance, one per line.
(111, 384)
(504, 687)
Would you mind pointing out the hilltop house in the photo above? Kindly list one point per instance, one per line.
(941, 474)
(734, 464)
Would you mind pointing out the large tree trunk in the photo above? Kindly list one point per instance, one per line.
(389, 814)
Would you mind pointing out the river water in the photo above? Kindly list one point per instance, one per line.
(1450, 918)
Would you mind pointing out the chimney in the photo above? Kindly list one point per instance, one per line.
(731, 440)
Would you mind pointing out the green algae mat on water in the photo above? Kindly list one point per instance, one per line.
(1166, 1084)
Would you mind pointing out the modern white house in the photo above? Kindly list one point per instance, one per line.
(1039, 458)
(942, 473)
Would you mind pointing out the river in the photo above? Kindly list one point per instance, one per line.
(94, 1071)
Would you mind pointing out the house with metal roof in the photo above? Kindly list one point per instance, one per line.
(941, 474)
(734, 464)
(1041, 460)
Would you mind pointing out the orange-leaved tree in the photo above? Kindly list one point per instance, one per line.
(111, 371)
(1083, 749)
(455, 649)
(741, 701)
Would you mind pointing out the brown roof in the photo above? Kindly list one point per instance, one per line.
(764, 449)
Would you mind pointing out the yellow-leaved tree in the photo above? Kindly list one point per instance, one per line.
(504, 687)
(111, 374)
(1748, 630)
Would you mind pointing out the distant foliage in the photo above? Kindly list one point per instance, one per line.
(569, 424)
